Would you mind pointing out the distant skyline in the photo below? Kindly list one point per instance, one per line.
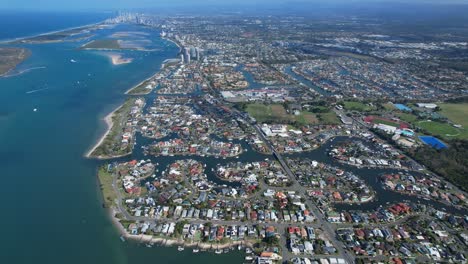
(135, 4)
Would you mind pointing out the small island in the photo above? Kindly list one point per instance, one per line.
(118, 59)
(11, 57)
(102, 44)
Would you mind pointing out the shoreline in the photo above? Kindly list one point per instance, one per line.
(24, 52)
(108, 120)
(119, 59)
(141, 83)
(173, 41)
(8, 41)
(163, 65)
(167, 241)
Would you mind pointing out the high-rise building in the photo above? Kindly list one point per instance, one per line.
(187, 55)
(197, 54)
(193, 53)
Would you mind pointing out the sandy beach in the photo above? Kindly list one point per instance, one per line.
(109, 124)
(8, 41)
(118, 59)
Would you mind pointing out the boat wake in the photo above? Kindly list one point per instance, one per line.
(35, 91)
(23, 71)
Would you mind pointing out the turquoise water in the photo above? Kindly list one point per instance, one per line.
(51, 205)
(15, 24)
(51, 208)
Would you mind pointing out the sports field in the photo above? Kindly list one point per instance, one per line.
(443, 130)
(410, 118)
(276, 113)
(358, 106)
(457, 114)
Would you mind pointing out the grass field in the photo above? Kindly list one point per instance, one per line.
(389, 106)
(260, 112)
(358, 106)
(307, 118)
(443, 130)
(457, 113)
(105, 184)
(409, 118)
(329, 118)
(276, 113)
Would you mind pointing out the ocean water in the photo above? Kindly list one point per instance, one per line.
(50, 201)
(21, 24)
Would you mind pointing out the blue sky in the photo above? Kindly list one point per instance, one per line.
(118, 4)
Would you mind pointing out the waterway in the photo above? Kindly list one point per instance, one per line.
(51, 205)
(290, 72)
(371, 177)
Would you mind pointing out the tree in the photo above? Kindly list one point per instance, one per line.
(271, 240)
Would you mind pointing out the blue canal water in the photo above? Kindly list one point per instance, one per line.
(306, 82)
(51, 205)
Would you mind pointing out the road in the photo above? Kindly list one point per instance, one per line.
(324, 224)
(321, 223)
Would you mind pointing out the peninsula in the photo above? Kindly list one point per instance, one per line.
(118, 140)
(11, 57)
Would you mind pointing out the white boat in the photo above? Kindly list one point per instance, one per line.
(35, 109)
(180, 248)
(73, 61)
(218, 251)
(196, 250)
(248, 250)
(248, 258)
